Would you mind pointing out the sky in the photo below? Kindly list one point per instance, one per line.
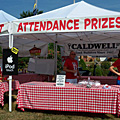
(15, 7)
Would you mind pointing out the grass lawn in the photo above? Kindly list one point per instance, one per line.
(16, 114)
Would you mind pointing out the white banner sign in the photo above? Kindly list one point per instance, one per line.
(3, 28)
(67, 25)
(93, 49)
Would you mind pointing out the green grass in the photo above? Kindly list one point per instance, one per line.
(16, 114)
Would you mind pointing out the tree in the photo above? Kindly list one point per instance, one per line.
(82, 64)
(28, 13)
(105, 65)
(51, 47)
(98, 71)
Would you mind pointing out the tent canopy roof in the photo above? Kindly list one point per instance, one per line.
(79, 9)
(5, 17)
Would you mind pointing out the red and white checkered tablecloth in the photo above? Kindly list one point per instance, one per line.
(4, 87)
(46, 96)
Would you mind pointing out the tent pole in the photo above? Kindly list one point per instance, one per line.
(54, 60)
(55, 56)
(10, 77)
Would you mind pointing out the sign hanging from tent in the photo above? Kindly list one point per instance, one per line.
(68, 25)
(35, 51)
(10, 62)
(93, 49)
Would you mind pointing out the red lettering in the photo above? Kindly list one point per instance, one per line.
(76, 23)
(20, 27)
(94, 23)
(99, 22)
(36, 26)
(42, 26)
(87, 23)
(111, 21)
(118, 22)
(105, 20)
(31, 24)
(69, 21)
(49, 25)
(25, 24)
(55, 26)
(1, 26)
(62, 25)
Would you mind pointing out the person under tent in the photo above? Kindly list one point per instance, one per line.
(71, 68)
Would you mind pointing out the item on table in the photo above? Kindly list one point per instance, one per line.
(106, 86)
(88, 78)
(97, 83)
(67, 82)
(82, 83)
(88, 86)
(91, 82)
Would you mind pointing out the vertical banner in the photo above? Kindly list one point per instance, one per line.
(10, 62)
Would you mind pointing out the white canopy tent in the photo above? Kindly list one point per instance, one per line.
(78, 26)
(24, 45)
(73, 26)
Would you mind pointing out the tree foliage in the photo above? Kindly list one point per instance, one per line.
(51, 47)
(98, 71)
(22, 62)
(82, 64)
(105, 65)
(25, 14)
